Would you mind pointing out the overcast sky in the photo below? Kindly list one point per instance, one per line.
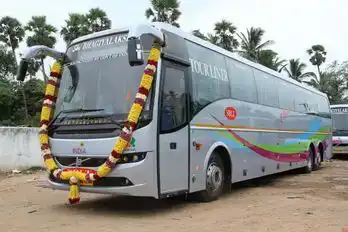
(293, 24)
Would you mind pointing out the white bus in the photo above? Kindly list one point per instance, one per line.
(340, 128)
(212, 118)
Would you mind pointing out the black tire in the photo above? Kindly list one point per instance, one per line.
(309, 166)
(215, 180)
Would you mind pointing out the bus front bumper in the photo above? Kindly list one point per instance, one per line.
(339, 149)
(130, 179)
(134, 190)
(339, 145)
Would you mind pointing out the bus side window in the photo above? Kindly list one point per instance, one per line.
(173, 107)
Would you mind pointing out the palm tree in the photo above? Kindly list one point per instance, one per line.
(321, 84)
(317, 53)
(75, 27)
(8, 63)
(331, 84)
(251, 43)
(270, 59)
(338, 89)
(83, 24)
(296, 70)
(97, 20)
(164, 11)
(224, 35)
(199, 34)
(11, 33)
(42, 34)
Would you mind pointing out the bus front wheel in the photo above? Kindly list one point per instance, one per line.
(215, 179)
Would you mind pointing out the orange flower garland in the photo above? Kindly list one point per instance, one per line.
(75, 176)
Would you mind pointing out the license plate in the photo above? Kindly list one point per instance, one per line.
(338, 149)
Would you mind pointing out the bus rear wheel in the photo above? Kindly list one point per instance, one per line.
(215, 179)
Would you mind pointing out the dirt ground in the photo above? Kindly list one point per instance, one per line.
(286, 202)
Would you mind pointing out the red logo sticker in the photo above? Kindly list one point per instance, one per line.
(230, 113)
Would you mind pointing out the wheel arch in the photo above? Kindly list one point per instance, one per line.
(313, 147)
(321, 150)
(225, 154)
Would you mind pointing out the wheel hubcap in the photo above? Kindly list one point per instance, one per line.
(214, 177)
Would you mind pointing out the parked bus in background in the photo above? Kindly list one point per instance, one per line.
(212, 118)
(340, 128)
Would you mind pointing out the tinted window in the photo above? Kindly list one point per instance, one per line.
(312, 101)
(339, 122)
(323, 104)
(242, 81)
(286, 99)
(267, 91)
(209, 76)
(300, 97)
(174, 104)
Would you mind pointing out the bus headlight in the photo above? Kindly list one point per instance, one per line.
(132, 158)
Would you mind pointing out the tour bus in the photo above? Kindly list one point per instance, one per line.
(340, 128)
(212, 118)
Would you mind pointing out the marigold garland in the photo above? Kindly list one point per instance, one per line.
(76, 175)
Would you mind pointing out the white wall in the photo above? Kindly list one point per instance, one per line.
(19, 148)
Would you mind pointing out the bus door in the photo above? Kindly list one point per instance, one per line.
(173, 142)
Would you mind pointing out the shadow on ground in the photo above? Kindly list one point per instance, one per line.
(341, 157)
(126, 206)
(135, 206)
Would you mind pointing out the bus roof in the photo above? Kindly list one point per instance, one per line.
(206, 44)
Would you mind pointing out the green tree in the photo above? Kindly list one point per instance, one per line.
(34, 91)
(270, 59)
(251, 43)
(164, 11)
(199, 34)
(83, 24)
(42, 34)
(8, 63)
(75, 27)
(7, 99)
(333, 82)
(296, 70)
(11, 33)
(224, 35)
(97, 20)
(317, 56)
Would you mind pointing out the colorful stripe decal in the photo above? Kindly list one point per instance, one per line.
(280, 157)
(245, 128)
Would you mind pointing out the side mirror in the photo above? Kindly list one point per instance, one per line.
(22, 70)
(135, 52)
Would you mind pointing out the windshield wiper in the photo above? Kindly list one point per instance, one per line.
(72, 111)
(111, 118)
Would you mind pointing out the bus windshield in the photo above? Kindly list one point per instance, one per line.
(340, 121)
(98, 76)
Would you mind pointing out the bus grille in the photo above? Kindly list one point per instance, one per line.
(93, 162)
(103, 182)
